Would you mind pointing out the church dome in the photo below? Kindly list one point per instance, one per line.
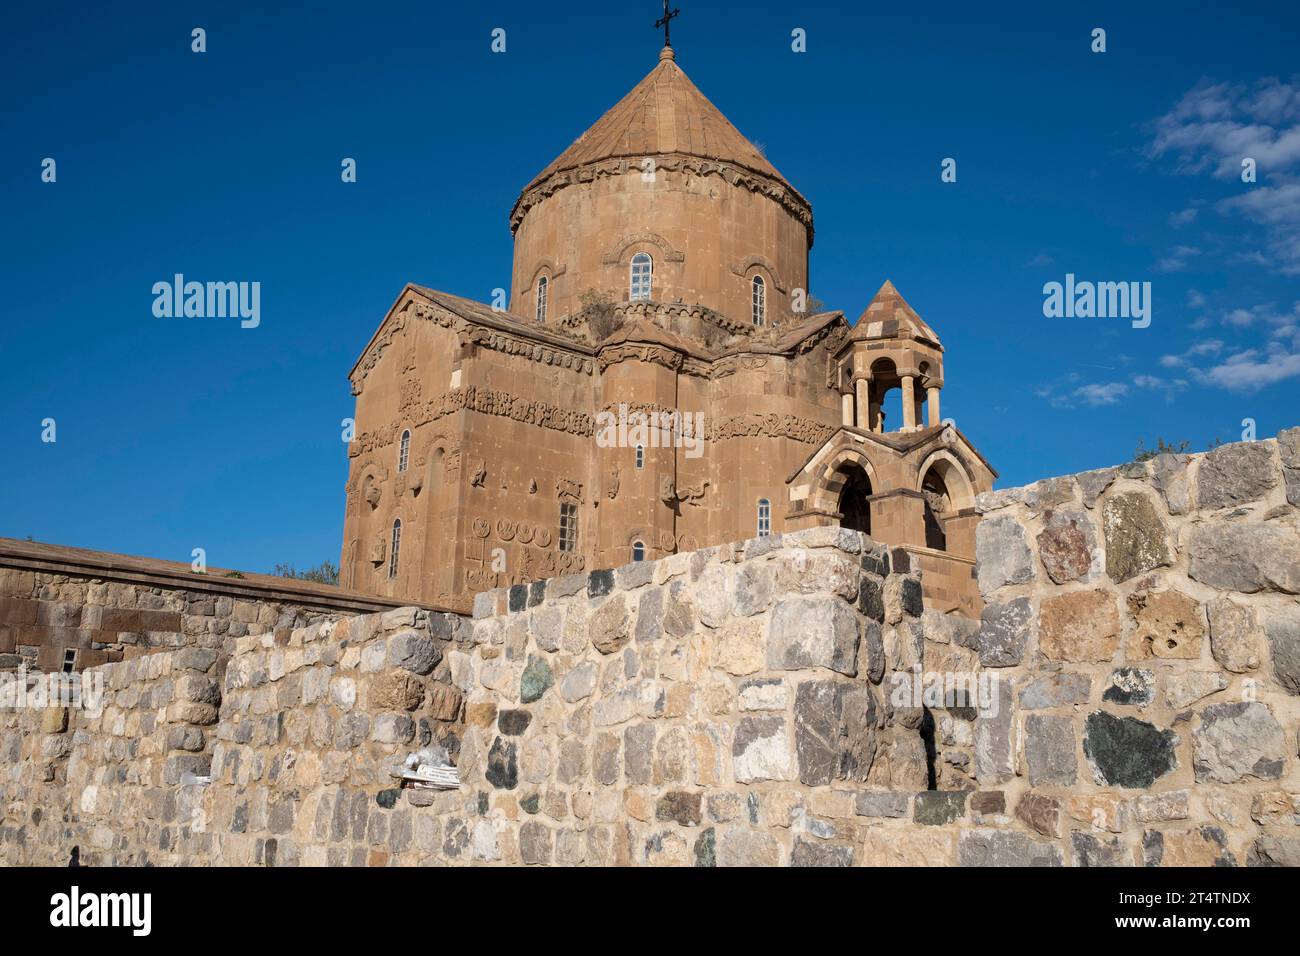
(663, 114)
(662, 178)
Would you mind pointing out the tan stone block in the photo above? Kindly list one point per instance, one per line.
(444, 702)
(890, 846)
(1100, 811)
(740, 646)
(54, 720)
(638, 806)
(1079, 626)
(1166, 624)
(1202, 846)
(837, 804)
(677, 702)
(395, 690)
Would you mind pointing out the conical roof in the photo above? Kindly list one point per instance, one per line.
(664, 113)
(888, 315)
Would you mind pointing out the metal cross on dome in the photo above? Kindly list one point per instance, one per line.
(665, 20)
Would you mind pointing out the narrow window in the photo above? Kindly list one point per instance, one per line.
(568, 527)
(638, 550)
(397, 545)
(642, 267)
(69, 660)
(404, 451)
(640, 457)
(764, 517)
(760, 300)
(542, 283)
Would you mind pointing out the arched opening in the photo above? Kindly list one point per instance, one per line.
(937, 503)
(639, 285)
(638, 550)
(542, 288)
(854, 506)
(886, 396)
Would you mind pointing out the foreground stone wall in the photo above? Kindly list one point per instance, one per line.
(1129, 696)
(725, 706)
(1145, 626)
(115, 781)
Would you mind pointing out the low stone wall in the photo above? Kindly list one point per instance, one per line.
(724, 706)
(115, 778)
(1144, 624)
(111, 607)
(1129, 696)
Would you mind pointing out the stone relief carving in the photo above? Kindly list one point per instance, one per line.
(630, 351)
(611, 483)
(378, 547)
(567, 488)
(408, 400)
(506, 530)
(670, 495)
(478, 473)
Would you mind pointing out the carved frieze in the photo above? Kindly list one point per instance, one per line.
(775, 190)
(639, 352)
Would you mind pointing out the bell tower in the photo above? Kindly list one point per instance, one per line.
(890, 347)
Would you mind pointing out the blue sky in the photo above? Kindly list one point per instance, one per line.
(183, 433)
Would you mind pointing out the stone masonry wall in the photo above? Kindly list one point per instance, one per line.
(723, 706)
(115, 782)
(1131, 696)
(1145, 625)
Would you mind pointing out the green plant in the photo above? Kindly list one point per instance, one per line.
(1146, 454)
(324, 573)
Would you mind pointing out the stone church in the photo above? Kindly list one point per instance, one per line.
(660, 276)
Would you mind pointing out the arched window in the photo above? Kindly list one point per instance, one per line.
(638, 550)
(397, 546)
(760, 300)
(642, 269)
(542, 284)
(404, 450)
(640, 457)
(764, 517)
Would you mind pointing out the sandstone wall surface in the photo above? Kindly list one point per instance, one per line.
(112, 607)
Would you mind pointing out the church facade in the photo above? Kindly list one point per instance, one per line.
(657, 382)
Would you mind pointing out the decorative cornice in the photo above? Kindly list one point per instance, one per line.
(765, 185)
(497, 341)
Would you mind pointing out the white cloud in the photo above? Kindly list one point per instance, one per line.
(1212, 129)
(1250, 371)
(1199, 350)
